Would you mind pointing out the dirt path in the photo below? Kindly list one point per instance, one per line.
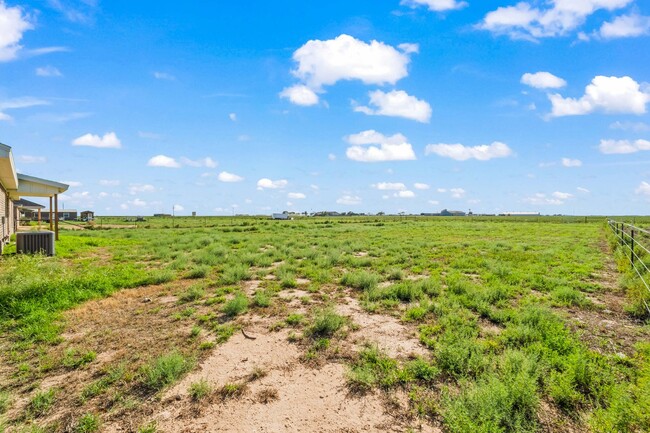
(606, 327)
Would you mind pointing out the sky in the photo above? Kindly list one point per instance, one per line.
(364, 106)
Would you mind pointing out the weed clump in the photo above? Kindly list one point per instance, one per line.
(360, 280)
(236, 306)
(165, 370)
(199, 390)
(326, 322)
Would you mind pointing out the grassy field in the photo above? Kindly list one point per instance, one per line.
(521, 325)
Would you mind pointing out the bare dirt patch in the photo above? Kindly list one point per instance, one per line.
(387, 332)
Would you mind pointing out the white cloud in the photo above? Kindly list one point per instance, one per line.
(436, 5)
(388, 186)
(441, 190)
(583, 190)
(630, 126)
(108, 141)
(135, 202)
(626, 26)
(233, 117)
(164, 76)
(109, 182)
(421, 186)
(136, 188)
(296, 195)
(553, 18)
(12, 26)
(393, 148)
(623, 146)
(322, 63)
(16, 103)
(404, 194)
(178, 208)
(568, 162)
(163, 161)
(606, 94)
(30, 159)
(562, 195)
(542, 80)
(102, 194)
(457, 192)
(397, 103)
(224, 176)
(5, 117)
(462, 153)
(202, 162)
(540, 199)
(349, 200)
(643, 189)
(434, 202)
(331, 157)
(314, 187)
(265, 183)
(48, 71)
(73, 183)
(300, 95)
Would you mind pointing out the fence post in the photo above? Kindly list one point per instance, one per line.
(632, 246)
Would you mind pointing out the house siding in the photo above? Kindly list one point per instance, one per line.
(7, 220)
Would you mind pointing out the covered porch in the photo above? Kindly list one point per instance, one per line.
(30, 186)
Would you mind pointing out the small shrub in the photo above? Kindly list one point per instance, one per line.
(72, 358)
(325, 324)
(150, 427)
(5, 401)
(194, 293)
(224, 332)
(294, 319)
(262, 299)
(200, 271)
(360, 280)
(236, 306)
(199, 390)
(235, 273)
(232, 390)
(165, 370)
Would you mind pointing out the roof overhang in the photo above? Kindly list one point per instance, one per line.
(31, 186)
(8, 177)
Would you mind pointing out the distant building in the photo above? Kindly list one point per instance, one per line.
(446, 212)
(28, 210)
(64, 215)
(162, 215)
(280, 216)
(87, 215)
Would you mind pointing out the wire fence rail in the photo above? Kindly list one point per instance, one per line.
(634, 241)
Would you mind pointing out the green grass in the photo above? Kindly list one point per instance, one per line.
(199, 390)
(88, 423)
(41, 403)
(236, 306)
(325, 323)
(165, 370)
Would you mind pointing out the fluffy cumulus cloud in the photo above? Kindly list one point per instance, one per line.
(397, 103)
(372, 146)
(349, 199)
(623, 146)
(643, 189)
(323, 63)
(389, 186)
(625, 26)
(605, 94)
(436, 5)
(421, 186)
(404, 194)
(296, 195)
(457, 192)
(542, 80)
(300, 95)
(265, 183)
(568, 162)
(13, 23)
(224, 176)
(533, 20)
(462, 153)
(163, 161)
(107, 141)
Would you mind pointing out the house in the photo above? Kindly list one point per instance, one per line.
(446, 212)
(28, 210)
(87, 215)
(280, 216)
(15, 185)
(63, 214)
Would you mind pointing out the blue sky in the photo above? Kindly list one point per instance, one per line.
(366, 106)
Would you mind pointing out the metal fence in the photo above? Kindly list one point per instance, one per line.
(634, 241)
